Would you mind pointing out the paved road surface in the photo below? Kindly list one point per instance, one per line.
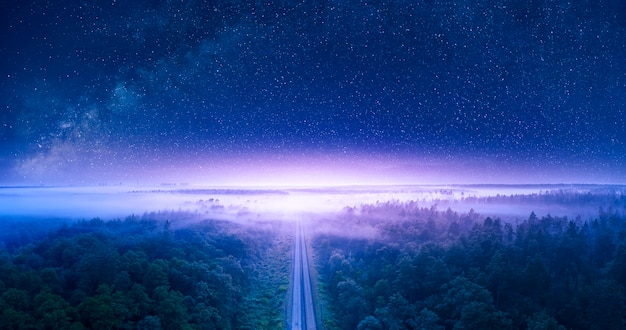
(303, 310)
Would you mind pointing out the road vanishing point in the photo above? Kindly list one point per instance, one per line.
(303, 310)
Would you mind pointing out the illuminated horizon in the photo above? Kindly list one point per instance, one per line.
(401, 97)
(320, 171)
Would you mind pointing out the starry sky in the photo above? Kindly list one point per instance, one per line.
(236, 91)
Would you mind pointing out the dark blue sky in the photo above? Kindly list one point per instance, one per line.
(515, 91)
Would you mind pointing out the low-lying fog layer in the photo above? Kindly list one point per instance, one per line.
(506, 201)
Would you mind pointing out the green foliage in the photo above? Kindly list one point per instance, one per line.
(607, 305)
(543, 321)
(139, 273)
(265, 307)
(51, 310)
(369, 323)
(425, 269)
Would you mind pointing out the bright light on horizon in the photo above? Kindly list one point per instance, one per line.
(320, 170)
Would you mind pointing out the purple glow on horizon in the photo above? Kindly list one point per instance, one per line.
(319, 170)
(229, 101)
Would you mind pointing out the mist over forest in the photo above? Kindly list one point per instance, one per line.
(401, 257)
(233, 164)
(402, 266)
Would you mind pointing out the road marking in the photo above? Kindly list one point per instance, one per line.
(303, 309)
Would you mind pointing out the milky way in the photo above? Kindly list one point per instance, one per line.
(354, 91)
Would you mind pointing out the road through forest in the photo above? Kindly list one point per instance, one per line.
(303, 310)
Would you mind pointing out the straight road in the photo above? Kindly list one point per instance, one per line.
(303, 310)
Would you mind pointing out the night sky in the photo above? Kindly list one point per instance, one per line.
(236, 92)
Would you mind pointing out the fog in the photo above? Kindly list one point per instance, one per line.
(82, 202)
(284, 203)
(224, 203)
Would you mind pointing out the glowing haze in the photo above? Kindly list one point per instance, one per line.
(317, 170)
(286, 203)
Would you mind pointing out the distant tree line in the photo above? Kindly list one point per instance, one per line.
(420, 268)
(608, 198)
(139, 273)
